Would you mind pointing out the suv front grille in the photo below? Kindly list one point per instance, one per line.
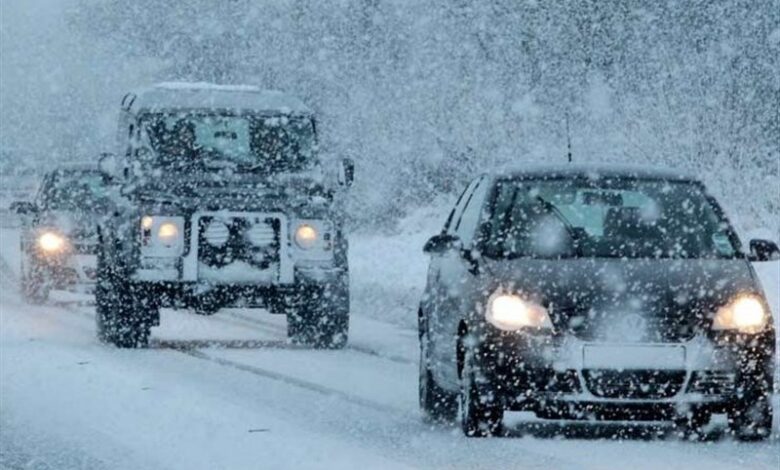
(254, 240)
(638, 384)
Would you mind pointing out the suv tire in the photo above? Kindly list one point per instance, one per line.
(319, 318)
(120, 318)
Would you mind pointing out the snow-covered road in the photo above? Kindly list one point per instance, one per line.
(229, 392)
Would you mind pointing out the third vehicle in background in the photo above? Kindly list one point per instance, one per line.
(59, 231)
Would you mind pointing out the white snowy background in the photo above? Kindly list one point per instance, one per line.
(421, 95)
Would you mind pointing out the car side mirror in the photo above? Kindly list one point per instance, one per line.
(442, 242)
(23, 207)
(763, 250)
(346, 174)
(109, 165)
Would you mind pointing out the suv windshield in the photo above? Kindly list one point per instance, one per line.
(248, 142)
(624, 218)
(75, 191)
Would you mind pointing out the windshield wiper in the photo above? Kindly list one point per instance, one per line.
(550, 208)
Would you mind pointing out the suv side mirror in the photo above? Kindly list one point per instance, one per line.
(23, 207)
(763, 250)
(346, 172)
(109, 165)
(442, 242)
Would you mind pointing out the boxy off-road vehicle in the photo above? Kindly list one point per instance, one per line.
(225, 203)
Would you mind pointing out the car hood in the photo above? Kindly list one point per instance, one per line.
(627, 300)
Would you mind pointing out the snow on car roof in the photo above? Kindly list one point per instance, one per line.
(593, 170)
(200, 95)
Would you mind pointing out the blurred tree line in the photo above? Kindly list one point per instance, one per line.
(424, 94)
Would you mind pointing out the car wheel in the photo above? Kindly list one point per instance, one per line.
(751, 420)
(437, 405)
(120, 318)
(318, 320)
(35, 290)
(481, 412)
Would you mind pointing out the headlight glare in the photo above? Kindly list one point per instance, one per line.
(306, 236)
(51, 242)
(168, 232)
(510, 312)
(745, 314)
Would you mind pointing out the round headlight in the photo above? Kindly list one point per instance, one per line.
(51, 242)
(510, 312)
(216, 233)
(306, 236)
(745, 314)
(168, 232)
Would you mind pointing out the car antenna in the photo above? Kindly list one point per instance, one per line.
(568, 139)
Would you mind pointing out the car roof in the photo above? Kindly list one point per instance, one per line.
(202, 95)
(593, 171)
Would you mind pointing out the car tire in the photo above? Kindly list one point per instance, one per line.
(319, 319)
(751, 420)
(436, 404)
(120, 318)
(34, 288)
(481, 412)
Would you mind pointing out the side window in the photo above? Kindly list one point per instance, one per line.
(472, 214)
(458, 209)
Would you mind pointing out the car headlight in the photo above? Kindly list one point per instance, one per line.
(162, 235)
(510, 312)
(745, 314)
(314, 235)
(51, 242)
(306, 236)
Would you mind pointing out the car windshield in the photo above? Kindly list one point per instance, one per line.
(247, 142)
(76, 191)
(621, 218)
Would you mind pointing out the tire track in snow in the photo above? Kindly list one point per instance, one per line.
(296, 382)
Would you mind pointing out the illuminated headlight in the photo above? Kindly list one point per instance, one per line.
(51, 242)
(745, 314)
(511, 313)
(306, 236)
(162, 235)
(216, 233)
(312, 234)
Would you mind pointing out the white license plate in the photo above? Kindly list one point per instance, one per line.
(633, 356)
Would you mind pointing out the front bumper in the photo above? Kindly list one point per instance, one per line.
(570, 377)
(72, 272)
(273, 296)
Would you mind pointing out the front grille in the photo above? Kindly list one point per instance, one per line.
(252, 240)
(712, 382)
(638, 384)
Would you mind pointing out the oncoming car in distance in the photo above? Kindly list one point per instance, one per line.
(58, 232)
(587, 292)
(224, 203)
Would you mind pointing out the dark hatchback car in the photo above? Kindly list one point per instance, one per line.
(587, 292)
